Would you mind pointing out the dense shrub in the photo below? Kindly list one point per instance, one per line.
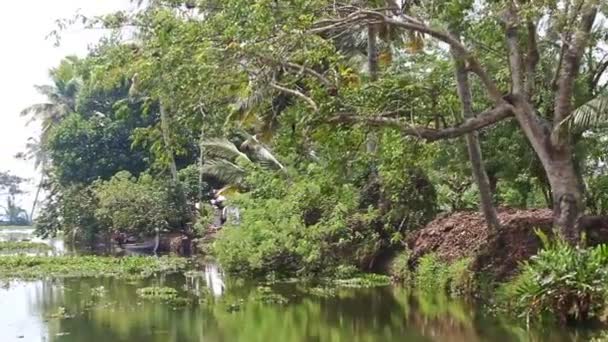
(297, 226)
(137, 205)
(561, 281)
(400, 269)
(434, 276)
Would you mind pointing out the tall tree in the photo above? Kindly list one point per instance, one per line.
(550, 140)
(61, 97)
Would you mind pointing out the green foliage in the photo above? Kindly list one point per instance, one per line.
(157, 293)
(310, 227)
(71, 210)
(561, 281)
(400, 269)
(364, 280)
(434, 276)
(132, 205)
(23, 246)
(266, 295)
(38, 267)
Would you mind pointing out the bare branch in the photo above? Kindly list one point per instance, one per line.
(572, 61)
(484, 119)
(326, 82)
(599, 71)
(408, 23)
(532, 59)
(294, 92)
(511, 22)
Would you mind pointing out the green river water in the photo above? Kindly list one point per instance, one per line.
(220, 309)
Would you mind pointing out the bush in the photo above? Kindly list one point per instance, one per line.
(436, 277)
(561, 281)
(431, 275)
(400, 269)
(301, 226)
(135, 205)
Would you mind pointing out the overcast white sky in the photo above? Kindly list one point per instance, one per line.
(25, 58)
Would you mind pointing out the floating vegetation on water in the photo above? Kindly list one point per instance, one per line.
(266, 295)
(155, 292)
(364, 280)
(98, 292)
(38, 267)
(60, 313)
(24, 246)
(165, 294)
(325, 292)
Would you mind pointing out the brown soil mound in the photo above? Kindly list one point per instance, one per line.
(465, 234)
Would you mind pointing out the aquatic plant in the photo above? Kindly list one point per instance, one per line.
(23, 246)
(155, 292)
(364, 280)
(37, 267)
(266, 295)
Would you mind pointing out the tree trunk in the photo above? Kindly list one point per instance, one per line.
(36, 198)
(164, 125)
(372, 52)
(567, 196)
(372, 63)
(201, 162)
(475, 156)
(557, 162)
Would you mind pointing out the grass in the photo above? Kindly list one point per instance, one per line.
(23, 246)
(39, 267)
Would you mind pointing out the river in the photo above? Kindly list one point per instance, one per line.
(222, 309)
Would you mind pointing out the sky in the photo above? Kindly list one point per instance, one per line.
(25, 58)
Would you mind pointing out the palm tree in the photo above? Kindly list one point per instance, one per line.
(60, 97)
(591, 114)
(37, 152)
(225, 159)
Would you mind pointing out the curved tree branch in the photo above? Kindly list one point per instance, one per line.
(403, 21)
(482, 120)
(308, 100)
(571, 66)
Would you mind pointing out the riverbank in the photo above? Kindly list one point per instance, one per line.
(464, 235)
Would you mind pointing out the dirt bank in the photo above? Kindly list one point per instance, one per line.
(464, 234)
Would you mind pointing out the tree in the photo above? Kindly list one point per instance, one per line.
(61, 97)
(13, 214)
(37, 152)
(550, 140)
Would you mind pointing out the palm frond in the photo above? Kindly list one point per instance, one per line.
(223, 148)
(224, 170)
(39, 109)
(262, 153)
(592, 114)
(266, 158)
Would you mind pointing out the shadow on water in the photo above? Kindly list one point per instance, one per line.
(223, 309)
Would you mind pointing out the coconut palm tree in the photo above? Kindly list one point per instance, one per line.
(37, 152)
(60, 97)
(591, 114)
(228, 163)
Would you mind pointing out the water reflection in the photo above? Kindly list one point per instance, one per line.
(72, 310)
(90, 309)
(214, 279)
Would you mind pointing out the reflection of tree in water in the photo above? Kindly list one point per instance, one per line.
(358, 315)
